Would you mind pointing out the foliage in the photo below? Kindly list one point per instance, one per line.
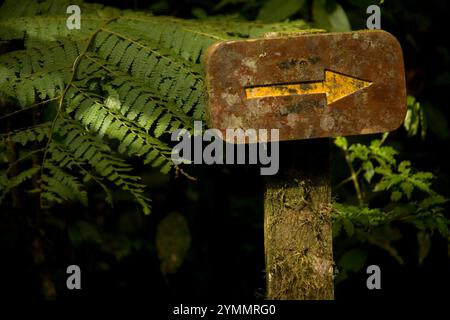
(172, 242)
(322, 14)
(389, 193)
(103, 99)
(273, 10)
(329, 15)
(415, 118)
(111, 91)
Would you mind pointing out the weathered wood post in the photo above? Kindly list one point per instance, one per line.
(309, 85)
(297, 224)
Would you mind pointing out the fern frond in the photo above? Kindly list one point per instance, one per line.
(184, 38)
(27, 75)
(81, 150)
(59, 186)
(24, 8)
(93, 113)
(30, 134)
(40, 22)
(163, 71)
(7, 184)
(123, 81)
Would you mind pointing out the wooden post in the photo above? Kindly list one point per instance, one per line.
(297, 223)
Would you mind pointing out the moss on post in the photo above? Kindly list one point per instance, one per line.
(297, 224)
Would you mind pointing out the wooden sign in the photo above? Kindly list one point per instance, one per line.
(308, 86)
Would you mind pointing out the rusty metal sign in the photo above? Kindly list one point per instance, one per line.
(308, 86)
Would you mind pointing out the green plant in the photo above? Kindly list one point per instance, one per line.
(108, 93)
(389, 194)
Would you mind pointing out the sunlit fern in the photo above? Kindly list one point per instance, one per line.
(128, 77)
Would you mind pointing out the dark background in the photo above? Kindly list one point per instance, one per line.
(224, 208)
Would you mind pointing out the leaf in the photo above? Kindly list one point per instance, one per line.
(431, 201)
(83, 232)
(385, 155)
(381, 186)
(341, 142)
(163, 123)
(407, 188)
(172, 242)
(336, 229)
(353, 260)
(420, 184)
(9, 184)
(329, 15)
(348, 227)
(396, 196)
(404, 166)
(112, 102)
(275, 10)
(199, 13)
(393, 181)
(423, 124)
(410, 100)
(166, 168)
(369, 170)
(415, 118)
(383, 238)
(424, 242)
(359, 151)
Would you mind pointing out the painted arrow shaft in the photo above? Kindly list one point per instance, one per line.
(285, 90)
(336, 86)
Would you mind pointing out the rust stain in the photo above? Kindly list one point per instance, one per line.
(309, 85)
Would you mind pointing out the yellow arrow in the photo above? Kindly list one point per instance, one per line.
(336, 86)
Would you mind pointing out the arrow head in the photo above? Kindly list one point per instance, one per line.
(338, 86)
